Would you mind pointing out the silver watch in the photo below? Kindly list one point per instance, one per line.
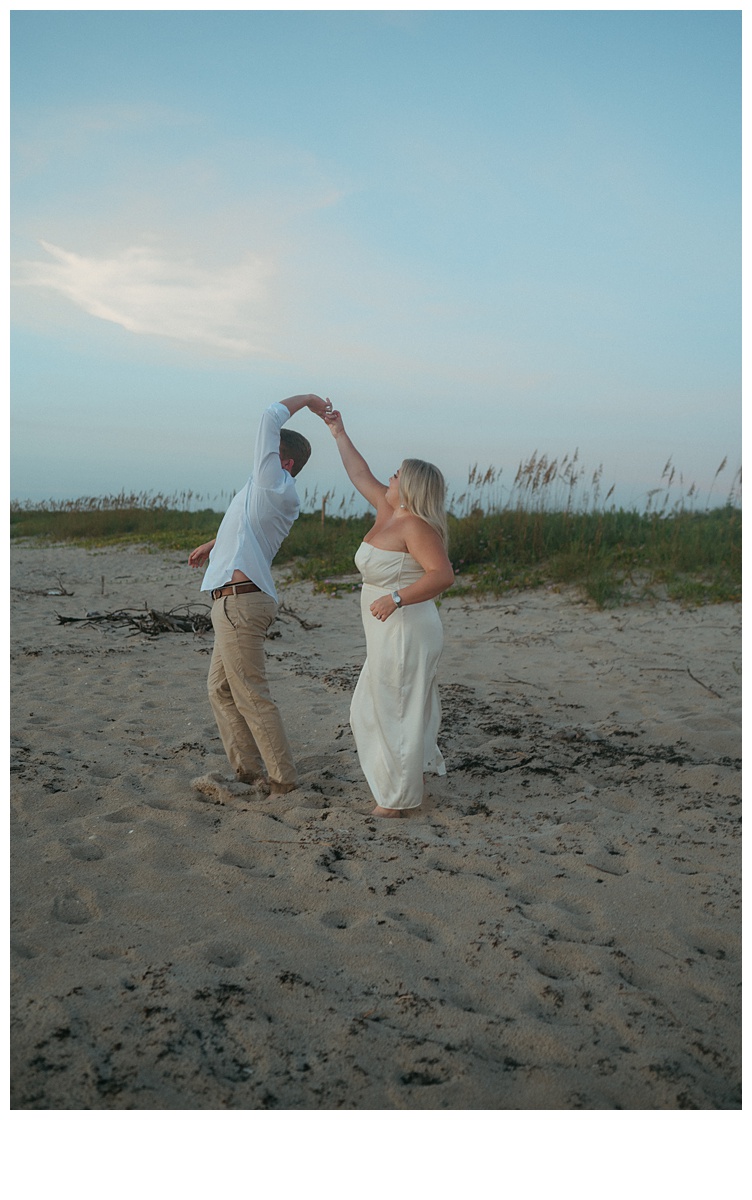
(396, 598)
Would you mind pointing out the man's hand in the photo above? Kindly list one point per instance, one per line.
(200, 556)
(315, 403)
(320, 407)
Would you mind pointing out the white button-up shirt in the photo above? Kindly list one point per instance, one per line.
(260, 516)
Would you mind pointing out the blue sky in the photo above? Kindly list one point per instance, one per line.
(481, 233)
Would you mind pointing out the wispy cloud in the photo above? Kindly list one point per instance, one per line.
(149, 292)
(57, 137)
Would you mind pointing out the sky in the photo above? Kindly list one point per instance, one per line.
(483, 234)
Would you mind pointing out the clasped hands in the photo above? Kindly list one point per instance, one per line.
(309, 400)
(328, 414)
(320, 407)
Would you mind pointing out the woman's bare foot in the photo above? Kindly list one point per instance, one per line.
(386, 812)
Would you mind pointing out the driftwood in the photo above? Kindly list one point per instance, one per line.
(703, 685)
(284, 611)
(185, 618)
(60, 590)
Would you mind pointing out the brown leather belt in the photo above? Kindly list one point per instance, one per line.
(234, 589)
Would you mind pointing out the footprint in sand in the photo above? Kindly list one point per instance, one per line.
(414, 928)
(109, 953)
(74, 908)
(216, 788)
(123, 816)
(158, 801)
(104, 772)
(236, 858)
(23, 949)
(223, 954)
(87, 851)
(334, 920)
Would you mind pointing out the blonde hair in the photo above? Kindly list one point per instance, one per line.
(422, 490)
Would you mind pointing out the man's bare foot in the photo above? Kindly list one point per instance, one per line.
(250, 777)
(386, 812)
(281, 789)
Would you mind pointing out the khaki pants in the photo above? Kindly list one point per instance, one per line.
(248, 720)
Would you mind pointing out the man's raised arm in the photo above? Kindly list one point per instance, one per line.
(315, 403)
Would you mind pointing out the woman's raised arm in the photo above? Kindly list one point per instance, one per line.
(356, 466)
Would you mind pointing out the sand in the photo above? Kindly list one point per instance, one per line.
(557, 928)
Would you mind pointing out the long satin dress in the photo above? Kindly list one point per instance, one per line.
(395, 711)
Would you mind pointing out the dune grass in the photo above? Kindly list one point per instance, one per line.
(551, 528)
(611, 556)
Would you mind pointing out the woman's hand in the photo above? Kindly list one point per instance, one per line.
(334, 421)
(200, 556)
(383, 608)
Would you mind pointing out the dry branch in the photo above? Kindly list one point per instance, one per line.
(60, 590)
(288, 612)
(185, 618)
(703, 685)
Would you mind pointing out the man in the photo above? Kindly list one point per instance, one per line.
(244, 598)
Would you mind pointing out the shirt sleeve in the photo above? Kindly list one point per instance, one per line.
(267, 469)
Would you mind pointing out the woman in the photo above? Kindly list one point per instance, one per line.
(395, 711)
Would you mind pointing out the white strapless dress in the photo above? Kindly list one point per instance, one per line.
(395, 712)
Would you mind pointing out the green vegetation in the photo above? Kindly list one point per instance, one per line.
(612, 556)
(165, 528)
(547, 531)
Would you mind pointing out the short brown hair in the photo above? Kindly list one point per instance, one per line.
(293, 445)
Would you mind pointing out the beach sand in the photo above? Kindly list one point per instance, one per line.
(557, 928)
